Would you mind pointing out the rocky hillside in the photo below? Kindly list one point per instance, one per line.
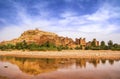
(41, 37)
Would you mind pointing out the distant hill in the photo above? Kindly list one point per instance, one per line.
(40, 37)
(41, 40)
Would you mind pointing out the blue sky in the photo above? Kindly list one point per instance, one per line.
(73, 18)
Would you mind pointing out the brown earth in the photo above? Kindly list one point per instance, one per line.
(41, 37)
(102, 54)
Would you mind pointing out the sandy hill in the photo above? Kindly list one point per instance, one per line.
(40, 37)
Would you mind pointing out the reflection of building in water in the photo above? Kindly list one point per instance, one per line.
(111, 62)
(103, 61)
(33, 66)
(81, 63)
(65, 63)
(95, 62)
(36, 66)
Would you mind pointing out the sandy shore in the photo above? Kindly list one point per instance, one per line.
(104, 54)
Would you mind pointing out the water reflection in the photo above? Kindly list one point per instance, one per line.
(103, 61)
(35, 66)
(111, 62)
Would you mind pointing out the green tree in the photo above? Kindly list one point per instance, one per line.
(18, 45)
(78, 47)
(24, 44)
(93, 43)
(48, 44)
(33, 46)
(102, 44)
(59, 48)
(87, 47)
(10, 46)
(110, 44)
(21, 45)
(2, 47)
(115, 45)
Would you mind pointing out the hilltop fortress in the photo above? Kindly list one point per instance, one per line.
(40, 37)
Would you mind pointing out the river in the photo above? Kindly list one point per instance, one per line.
(50, 68)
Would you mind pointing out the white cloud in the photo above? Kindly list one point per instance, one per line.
(106, 12)
(91, 26)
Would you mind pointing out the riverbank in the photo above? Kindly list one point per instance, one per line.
(102, 54)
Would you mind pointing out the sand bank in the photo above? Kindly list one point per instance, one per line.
(105, 54)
